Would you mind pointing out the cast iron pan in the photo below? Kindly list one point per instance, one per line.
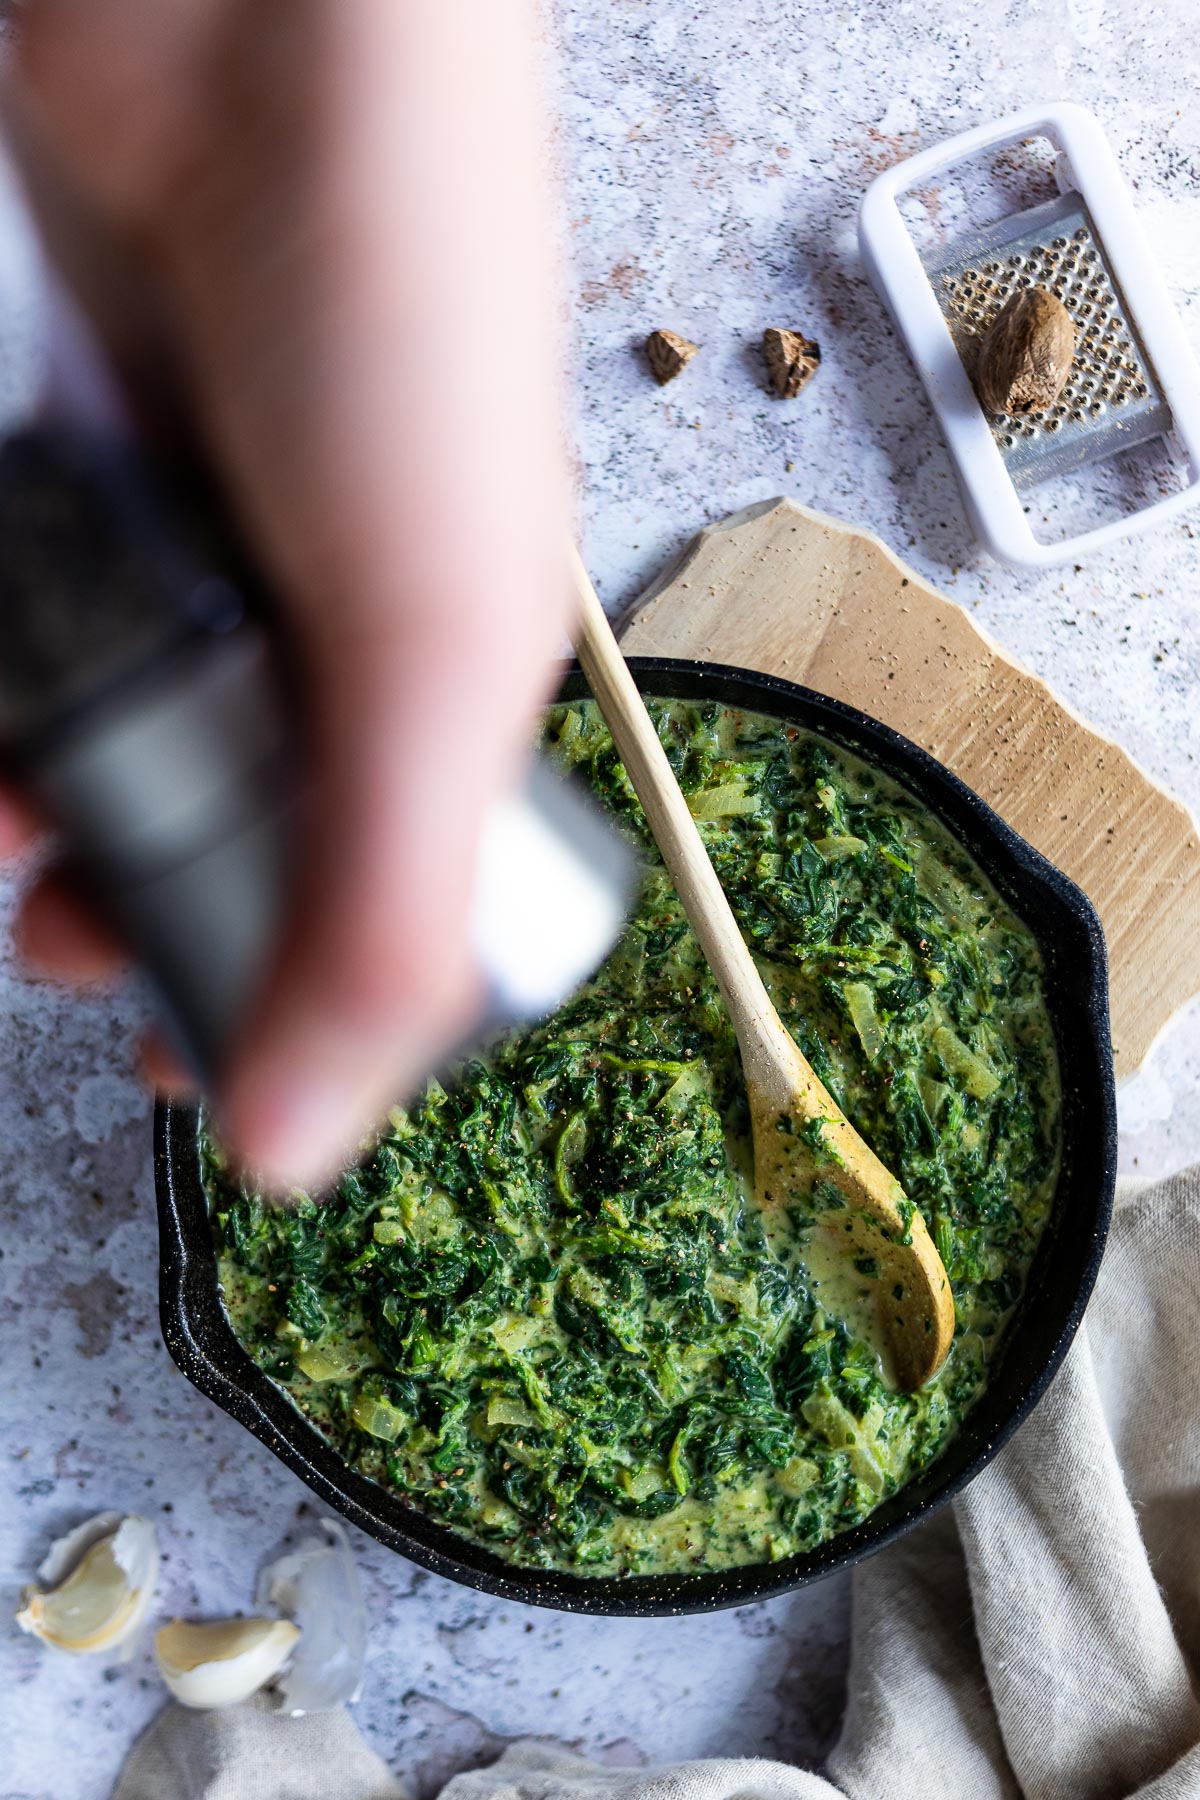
(1065, 925)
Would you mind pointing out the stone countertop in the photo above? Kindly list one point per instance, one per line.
(715, 168)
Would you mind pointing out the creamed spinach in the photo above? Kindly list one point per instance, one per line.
(544, 1309)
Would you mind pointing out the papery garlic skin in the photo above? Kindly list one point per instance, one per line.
(317, 1584)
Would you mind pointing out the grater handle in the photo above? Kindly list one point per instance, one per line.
(1057, 121)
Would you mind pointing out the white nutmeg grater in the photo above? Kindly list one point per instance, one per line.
(1134, 379)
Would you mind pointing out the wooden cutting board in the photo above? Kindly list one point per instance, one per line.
(787, 591)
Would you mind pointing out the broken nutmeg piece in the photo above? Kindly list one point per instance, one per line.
(668, 354)
(1025, 355)
(792, 360)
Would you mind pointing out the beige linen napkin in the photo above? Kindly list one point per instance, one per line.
(251, 1753)
(1037, 1638)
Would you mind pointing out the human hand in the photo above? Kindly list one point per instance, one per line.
(343, 211)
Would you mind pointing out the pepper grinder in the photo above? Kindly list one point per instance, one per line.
(146, 708)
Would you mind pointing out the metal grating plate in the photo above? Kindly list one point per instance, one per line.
(1111, 401)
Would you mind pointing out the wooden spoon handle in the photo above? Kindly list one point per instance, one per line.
(674, 829)
(780, 1082)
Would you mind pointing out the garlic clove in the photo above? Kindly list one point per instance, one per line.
(222, 1662)
(99, 1584)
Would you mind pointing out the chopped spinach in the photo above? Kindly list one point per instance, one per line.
(543, 1308)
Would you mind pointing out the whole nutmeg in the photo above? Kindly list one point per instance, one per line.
(1025, 355)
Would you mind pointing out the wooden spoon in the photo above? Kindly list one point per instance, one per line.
(801, 1137)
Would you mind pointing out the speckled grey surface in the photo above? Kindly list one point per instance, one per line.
(717, 153)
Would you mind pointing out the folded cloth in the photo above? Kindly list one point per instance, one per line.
(252, 1753)
(1036, 1638)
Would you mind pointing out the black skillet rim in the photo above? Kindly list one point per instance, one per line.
(1065, 923)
